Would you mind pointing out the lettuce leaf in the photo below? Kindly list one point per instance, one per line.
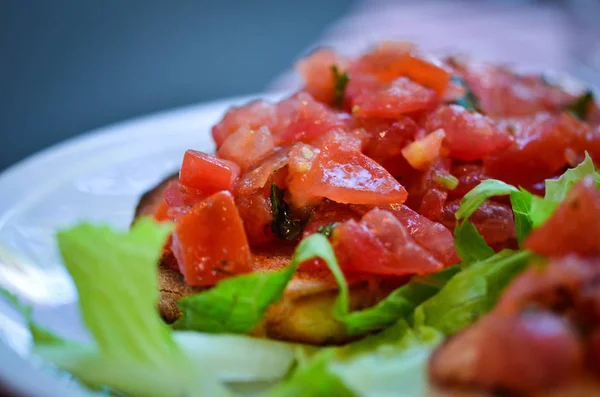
(133, 350)
(521, 206)
(391, 363)
(556, 190)
(479, 194)
(470, 245)
(470, 293)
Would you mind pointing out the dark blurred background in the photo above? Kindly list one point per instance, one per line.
(68, 66)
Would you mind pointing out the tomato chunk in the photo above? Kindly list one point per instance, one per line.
(401, 96)
(209, 241)
(575, 225)
(380, 244)
(418, 70)
(469, 135)
(316, 69)
(207, 173)
(253, 115)
(257, 215)
(258, 177)
(346, 176)
(539, 148)
(246, 147)
(301, 118)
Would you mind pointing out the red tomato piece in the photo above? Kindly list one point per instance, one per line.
(386, 140)
(327, 213)
(209, 241)
(493, 220)
(575, 225)
(161, 212)
(178, 195)
(503, 93)
(425, 194)
(302, 119)
(257, 215)
(258, 177)
(246, 147)
(253, 115)
(538, 150)
(421, 153)
(469, 176)
(432, 236)
(418, 70)
(380, 244)
(316, 69)
(399, 97)
(352, 139)
(346, 176)
(469, 135)
(207, 173)
(301, 161)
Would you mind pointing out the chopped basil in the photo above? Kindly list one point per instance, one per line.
(448, 181)
(581, 106)
(469, 101)
(327, 229)
(339, 85)
(284, 224)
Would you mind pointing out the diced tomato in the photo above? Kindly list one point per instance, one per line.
(246, 147)
(301, 118)
(493, 220)
(521, 353)
(301, 161)
(347, 176)
(419, 70)
(575, 225)
(178, 195)
(425, 194)
(316, 69)
(503, 93)
(421, 153)
(161, 212)
(253, 115)
(352, 139)
(380, 57)
(469, 176)
(207, 173)
(469, 135)
(257, 215)
(209, 241)
(380, 244)
(432, 236)
(538, 150)
(258, 177)
(401, 96)
(327, 213)
(385, 140)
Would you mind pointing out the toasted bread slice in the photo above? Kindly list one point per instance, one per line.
(304, 313)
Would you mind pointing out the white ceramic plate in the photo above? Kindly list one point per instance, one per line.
(99, 177)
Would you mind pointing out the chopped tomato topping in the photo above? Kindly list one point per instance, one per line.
(207, 173)
(421, 153)
(161, 212)
(258, 177)
(418, 70)
(302, 118)
(346, 176)
(316, 69)
(469, 135)
(539, 148)
(380, 244)
(401, 96)
(246, 147)
(250, 116)
(257, 215)
(209, 241)
(575, 225)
